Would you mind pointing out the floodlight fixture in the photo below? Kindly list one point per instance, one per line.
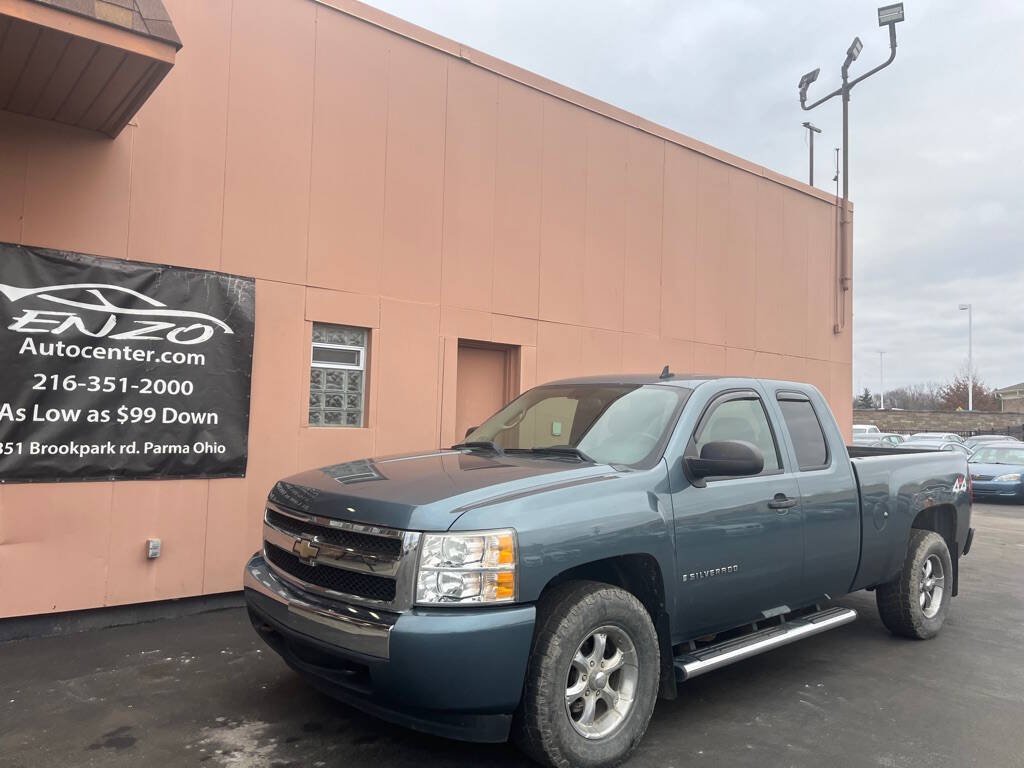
(890, 14)
(805, 82)
(854, 50)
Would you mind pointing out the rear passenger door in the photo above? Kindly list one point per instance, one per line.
(739, 540)
(831, 507)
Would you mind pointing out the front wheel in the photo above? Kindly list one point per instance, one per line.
(593, 677)
(915, 603)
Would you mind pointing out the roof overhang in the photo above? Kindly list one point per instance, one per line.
(87, 64)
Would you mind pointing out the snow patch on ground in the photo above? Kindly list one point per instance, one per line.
(238, 743)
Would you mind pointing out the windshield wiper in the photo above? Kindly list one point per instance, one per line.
(487, 445)
(555, 450)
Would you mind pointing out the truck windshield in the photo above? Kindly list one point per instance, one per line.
(610, 423)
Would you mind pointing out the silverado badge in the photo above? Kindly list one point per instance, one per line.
(707, 573)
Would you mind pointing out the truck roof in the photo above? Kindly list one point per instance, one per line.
(688, 380)
(677, 379)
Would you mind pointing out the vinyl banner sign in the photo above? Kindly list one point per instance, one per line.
(113, 369)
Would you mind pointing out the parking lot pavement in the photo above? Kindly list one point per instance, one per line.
(203, 691)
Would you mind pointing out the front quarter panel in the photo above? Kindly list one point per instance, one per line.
(623, 513)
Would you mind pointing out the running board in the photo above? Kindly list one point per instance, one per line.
(694, 663)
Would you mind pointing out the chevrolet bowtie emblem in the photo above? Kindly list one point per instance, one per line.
(306, 551)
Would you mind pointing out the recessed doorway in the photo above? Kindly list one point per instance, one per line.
(488, 377)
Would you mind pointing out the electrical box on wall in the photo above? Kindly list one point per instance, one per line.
(152, 548)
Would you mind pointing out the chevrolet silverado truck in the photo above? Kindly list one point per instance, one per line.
(592, 545)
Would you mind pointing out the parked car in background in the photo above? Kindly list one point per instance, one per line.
(879, 439)
(997, 469)
(891, 438)
(976, 440)
(937, 445)
(865, 429)
(951, 437)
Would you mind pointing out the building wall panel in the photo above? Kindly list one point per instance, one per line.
(350, 116)
(470, 160)
(407, 349)
(769, 332)
(13, 167)
(645, 179)
(76, 189)
(563, 213)
(741, 261)
(411, 260)
(604, 267)
(269, 132)
(517, 200)
(177, 189)
(679, 243)
(712, 283)
(173, 511)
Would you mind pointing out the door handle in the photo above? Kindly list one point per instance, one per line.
(782, 502)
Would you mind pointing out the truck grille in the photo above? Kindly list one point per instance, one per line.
(362, 585)
(342, 560)
(380, 546)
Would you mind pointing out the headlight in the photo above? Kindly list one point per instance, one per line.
(467, 568)
(1011, 478)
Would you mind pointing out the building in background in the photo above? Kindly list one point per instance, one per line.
(431, 231)
(1011, 399)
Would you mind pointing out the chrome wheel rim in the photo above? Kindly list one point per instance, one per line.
(933, 584)
(600, 685)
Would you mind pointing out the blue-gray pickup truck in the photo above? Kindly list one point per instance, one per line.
(592, 545)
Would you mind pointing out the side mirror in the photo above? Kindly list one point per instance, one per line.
(724, 458)
(470, 431)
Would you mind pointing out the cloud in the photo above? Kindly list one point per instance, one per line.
(936, 140)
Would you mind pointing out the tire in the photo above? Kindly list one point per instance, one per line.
(907, 607)
(569, 619)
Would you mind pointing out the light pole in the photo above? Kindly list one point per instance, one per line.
(970, 354)
(811, 130)
(888, 16)
(881, 380)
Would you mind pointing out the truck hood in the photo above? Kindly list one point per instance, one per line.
(424, 491)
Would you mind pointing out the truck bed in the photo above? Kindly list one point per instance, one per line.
(894, 485)
(866, 451)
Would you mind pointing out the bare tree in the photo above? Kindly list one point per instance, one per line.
(916, 397)
(954, 394)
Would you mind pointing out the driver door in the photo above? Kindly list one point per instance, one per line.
(739, 540)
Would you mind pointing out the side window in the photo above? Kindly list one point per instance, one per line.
(805, 431)
(741, 419)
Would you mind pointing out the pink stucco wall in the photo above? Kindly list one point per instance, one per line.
(367, 178)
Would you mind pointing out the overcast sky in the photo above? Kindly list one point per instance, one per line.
(936, 140)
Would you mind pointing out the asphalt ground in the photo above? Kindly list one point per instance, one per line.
(204, 691)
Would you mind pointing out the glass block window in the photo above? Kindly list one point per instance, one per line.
(337, 376)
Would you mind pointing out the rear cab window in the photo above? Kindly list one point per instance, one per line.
(805, 431)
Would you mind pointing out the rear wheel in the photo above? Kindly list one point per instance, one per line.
(592, 680)
(915, 603)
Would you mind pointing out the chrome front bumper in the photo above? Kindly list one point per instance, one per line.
(351, 628)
